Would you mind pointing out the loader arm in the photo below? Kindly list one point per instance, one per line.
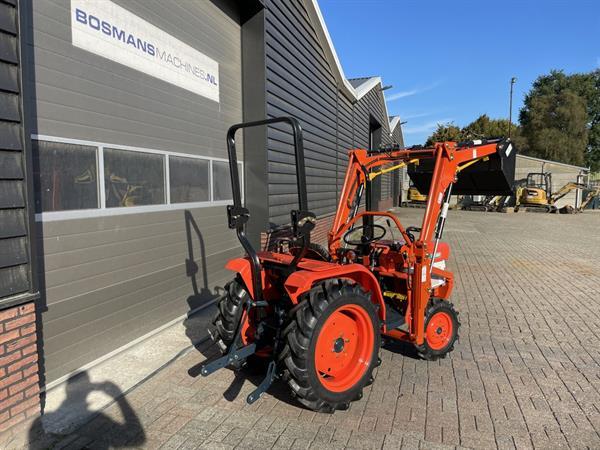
(450, 158)
(361, 170)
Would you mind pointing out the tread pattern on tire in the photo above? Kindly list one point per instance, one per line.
(228, 315)
(435, 305)
(297, 336)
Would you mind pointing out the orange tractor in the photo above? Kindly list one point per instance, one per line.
(316, 316)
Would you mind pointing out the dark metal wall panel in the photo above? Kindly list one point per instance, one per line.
(112, 279)
(300, 83)
(397, 135)
(371, 108)
(14, 241)
(14, 280)
(13, 223)
(13, 252)
(11, 165)
(12, 194)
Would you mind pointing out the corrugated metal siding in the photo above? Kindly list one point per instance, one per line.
(110, 280)
(345, 137)
(300, 83)
(14, 241)
(397, 176)
(397, 135)
(372, 104)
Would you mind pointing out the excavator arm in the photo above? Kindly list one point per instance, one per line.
(564, 191)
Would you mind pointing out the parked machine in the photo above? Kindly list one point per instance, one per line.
(537, 194)
(592, 194)
(414, 196)
(316, 318)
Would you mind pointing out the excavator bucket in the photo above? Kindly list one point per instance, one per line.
(494, 175)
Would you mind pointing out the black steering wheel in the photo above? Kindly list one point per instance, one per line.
(409, 232)
(364, 239)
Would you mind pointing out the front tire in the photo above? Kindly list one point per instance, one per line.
(441, 330)
(332, 346)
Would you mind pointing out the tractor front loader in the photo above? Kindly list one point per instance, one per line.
(316, 316)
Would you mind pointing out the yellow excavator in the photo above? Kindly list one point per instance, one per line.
(414, 196)
(537, 194)
(594, 193)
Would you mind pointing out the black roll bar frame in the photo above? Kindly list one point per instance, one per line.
(303, 221)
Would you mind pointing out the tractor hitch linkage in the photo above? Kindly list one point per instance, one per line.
(230, 357)
(237, 354)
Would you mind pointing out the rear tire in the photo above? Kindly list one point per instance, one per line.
(332, 346)
(228, 316)
(441, 330)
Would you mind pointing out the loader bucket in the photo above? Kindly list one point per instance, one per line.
(495, 176)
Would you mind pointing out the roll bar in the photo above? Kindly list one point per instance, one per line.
(302, 220)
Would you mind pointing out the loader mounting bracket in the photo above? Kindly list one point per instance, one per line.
(237, 216)
(303, 222)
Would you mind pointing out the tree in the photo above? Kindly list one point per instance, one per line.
(541, 124)
(445, 132)
(555, 126)
(481, 128)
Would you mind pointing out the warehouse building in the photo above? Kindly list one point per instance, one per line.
(113, 172)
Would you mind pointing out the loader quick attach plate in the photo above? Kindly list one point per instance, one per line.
(494, 176)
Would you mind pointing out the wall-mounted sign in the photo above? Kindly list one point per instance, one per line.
(106, 29)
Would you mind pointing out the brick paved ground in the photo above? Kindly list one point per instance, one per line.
(525, 373)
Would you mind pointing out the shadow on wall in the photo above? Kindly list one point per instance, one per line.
(198, 317)
(45, 431)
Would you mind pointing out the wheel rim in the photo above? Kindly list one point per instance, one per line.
(439, 330)
(344, 348)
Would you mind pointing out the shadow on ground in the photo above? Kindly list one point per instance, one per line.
(48, 429)
(254, 372)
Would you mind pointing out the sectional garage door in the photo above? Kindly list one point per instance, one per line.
(131, 179)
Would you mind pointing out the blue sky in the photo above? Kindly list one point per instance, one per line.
(452, 60)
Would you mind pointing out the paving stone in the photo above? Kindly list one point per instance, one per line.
(523, 374)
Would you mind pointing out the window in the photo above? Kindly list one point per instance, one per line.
(189, 179)
(133, 178)
(222, 180)
(79, 179)
(65, 176)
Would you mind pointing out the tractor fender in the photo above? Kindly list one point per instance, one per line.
(242, 266)
(302, 281)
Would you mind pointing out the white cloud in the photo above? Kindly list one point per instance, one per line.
(415, 115)
(425, 127)
(414, 91)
